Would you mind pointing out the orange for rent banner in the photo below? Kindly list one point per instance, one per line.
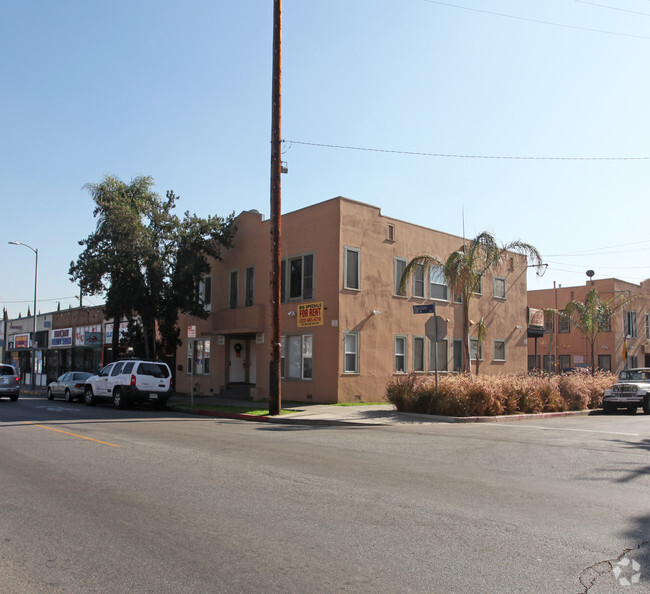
(310, 314)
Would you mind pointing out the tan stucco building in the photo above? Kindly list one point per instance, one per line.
(346, 332)
(625, 343)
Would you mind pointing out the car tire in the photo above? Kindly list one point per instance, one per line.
(158, 405)
(118, 399)
(14, 397)
(631, 410)
(68, 396)
(646, 405)
(608, 409)
(50, 396)
(89, 397)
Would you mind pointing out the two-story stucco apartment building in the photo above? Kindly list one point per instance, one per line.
(345, 329)
(624, 343)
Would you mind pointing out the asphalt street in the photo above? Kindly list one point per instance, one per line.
(94, 499)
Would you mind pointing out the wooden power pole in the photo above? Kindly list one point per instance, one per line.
(275, 398)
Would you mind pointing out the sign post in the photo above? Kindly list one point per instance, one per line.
(435, 328)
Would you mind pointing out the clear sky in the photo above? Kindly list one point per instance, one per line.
(180, 91)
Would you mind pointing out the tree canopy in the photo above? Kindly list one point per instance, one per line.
(147, 261)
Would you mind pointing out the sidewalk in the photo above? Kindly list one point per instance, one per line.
(331, 414)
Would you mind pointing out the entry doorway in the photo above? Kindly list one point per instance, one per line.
(242, 360)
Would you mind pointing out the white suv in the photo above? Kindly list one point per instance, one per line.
(132, 380)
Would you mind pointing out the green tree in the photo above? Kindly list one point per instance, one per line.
(464, 268)
(146, 260)
(594, 316)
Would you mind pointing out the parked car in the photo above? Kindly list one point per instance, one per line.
(70, 385)
(630, 391)
(9, 382)
(132, 380)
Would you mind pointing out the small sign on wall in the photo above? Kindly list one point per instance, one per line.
(191, 331)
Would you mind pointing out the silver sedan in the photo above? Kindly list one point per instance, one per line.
(70, 385)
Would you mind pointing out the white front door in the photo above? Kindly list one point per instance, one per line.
(238, 362)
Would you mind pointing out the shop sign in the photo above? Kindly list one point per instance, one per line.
(535, 317)
(191, 331)
(62, 337)
(83, 333)
(310, 314)
(21, 341)
(108, 331)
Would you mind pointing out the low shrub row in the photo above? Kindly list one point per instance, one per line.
(490, 395)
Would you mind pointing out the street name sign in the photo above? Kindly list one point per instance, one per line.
(429, 308)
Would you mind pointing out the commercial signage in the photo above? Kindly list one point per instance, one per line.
(191, 331)
(82, 334)
(108, 331)
(535, 317)
(21, 341)
(310, 314)
(62, 337)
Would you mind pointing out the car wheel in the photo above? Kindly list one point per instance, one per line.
(159, 405)
(118, 399)
(646, 405)
(89, 398)
(68, 396)
(608, 409)
(14, 397)
(631, 410)
(50, 396)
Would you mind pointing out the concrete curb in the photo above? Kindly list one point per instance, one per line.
(503, 418)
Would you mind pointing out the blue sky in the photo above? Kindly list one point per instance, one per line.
(180, 91)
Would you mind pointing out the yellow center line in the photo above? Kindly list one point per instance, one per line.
(73, 434)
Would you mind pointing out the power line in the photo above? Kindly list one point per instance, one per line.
(595, 250)
(511, 16)
(458, 156)
(613, 8)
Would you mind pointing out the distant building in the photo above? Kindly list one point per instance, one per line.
(626, 343)
(345, 329)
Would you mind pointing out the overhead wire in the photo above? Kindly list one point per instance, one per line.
(541, 22)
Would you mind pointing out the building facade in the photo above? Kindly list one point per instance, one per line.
(624, 343)
(346, 330)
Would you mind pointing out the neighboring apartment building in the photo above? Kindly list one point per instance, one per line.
(625, 343)
(345, 329)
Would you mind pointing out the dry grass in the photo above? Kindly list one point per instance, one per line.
(489, 395)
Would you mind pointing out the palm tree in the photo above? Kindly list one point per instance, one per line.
(593, 317)
(464, 268)
(481, 333)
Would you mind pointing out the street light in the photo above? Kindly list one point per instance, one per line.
(35, 250)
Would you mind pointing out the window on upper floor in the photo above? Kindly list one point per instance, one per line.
(629, 324)
(205, 292)
(233, 296)
(419, 283)
(352, 268)
(438, 288)
(297, 278)
(499, 287)
(398, 270)
(563, 323)
(249, 289)
(499, 350)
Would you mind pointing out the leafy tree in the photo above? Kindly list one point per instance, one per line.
(464, 268)
(593, 316)
(146, 260)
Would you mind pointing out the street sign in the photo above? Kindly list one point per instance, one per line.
(429, 308)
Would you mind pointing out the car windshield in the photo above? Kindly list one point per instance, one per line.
(7, 370)
(634, 374)
(153, 369)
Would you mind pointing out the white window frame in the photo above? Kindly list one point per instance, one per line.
(195, 348)
(298, 350)
(499, 341)
(400, 352)
(496, 282)
(399, 265)
(630, 324)
(351, 250)
(354, 352)
(436, 274)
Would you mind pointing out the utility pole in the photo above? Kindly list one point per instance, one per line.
(275, 398)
